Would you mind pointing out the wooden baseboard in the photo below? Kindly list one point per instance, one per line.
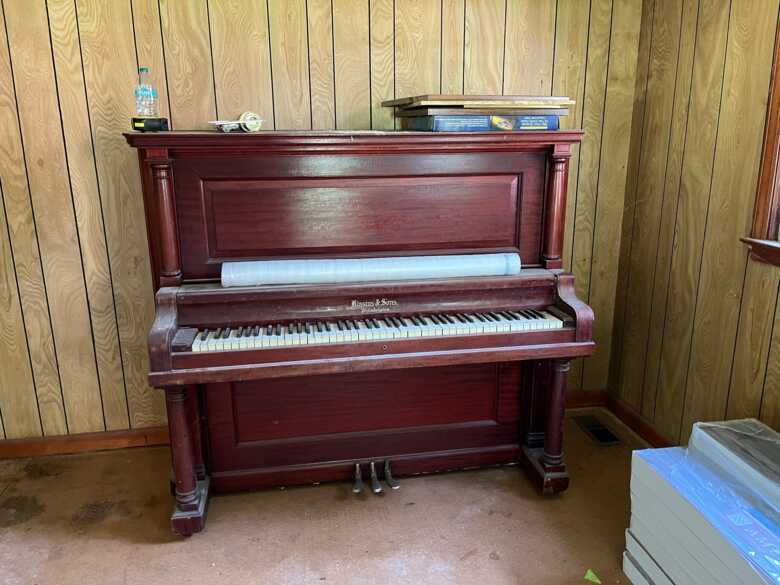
(632, 419)
(586, 398)
(82, 442)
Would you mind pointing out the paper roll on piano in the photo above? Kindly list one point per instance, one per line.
(323, 271)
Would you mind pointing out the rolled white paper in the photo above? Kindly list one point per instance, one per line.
(315, 271)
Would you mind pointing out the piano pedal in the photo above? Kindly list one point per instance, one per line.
(357, 486)
(376, 487)
(389, 479)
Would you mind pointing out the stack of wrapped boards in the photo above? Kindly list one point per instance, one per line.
(709, 513)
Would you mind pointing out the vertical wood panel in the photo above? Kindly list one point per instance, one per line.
(741, 126)
(353, 81)
(47, 172)
(16, 401)
(417, 47)
(109, 69)
(322, 73)
(20, 403)
(649, 197)
(624, 47)
(677, 143)
(453, 24)
(484, 46)
(242, 63)
(756, 317)
(637, 125)
(185, 27)
(571, 49)
(89, 216)
(290, 62)
(529, 46)
(691, 213)
(149, 46)
(382, 62)
(590, 155)
(769, 411)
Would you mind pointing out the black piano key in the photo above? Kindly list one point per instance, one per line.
(416, 320)
(269, 330)
(460, 318)
(248, 331)
(516, 315)
(256, 331)
(340, 325)
(290, 329)
(278, 329)
(226, 333)
(240, 332)
(529, 314)
(539, 314)
(370, 323)
(319, 326)
(480, 317)
(447, 319)
(507, 315)
(307, 328)
(468, 317)
(398, 322)
(218, 333)
(204, 334)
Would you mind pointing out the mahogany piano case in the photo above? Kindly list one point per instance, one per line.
(245, 419)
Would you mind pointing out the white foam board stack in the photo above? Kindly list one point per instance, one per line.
(707, 514)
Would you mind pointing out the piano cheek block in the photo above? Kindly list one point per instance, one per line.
(360, 382)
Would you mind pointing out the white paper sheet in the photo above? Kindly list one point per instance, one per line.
(324, 271)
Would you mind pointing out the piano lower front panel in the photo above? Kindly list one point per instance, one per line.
(285, 431)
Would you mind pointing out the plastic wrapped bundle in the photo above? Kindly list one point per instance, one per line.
(329, 271)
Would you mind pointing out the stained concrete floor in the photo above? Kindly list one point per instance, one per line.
(102, 518)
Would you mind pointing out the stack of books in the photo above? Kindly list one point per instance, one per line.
(479, 113)
(708, 514)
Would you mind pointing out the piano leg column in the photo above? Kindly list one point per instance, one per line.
(545, 464)
(189, 515)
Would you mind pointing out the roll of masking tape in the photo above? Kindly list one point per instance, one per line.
(250, 122)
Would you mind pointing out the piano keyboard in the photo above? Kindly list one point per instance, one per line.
(372, 329)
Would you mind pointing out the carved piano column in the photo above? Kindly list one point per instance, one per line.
(545, 463)
(170, 261)
(191, 494)
(556, 405)
(555, 209)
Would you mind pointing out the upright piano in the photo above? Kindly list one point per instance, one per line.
(293, 384)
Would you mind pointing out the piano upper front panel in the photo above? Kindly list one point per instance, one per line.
(328, 217)
(330, 205)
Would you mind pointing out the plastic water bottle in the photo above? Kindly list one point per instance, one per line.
(145, 96)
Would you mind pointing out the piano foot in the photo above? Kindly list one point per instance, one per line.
(188, 522)
(549, 479)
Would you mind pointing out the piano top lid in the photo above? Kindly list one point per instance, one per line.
(353, 138)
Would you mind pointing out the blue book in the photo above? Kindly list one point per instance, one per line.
(479, 123)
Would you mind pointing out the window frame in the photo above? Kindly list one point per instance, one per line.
(764, 234)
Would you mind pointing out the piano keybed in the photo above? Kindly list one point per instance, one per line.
(372, 329)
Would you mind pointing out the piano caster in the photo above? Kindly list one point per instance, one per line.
(376, 487)
(357, 486)
(389, 479)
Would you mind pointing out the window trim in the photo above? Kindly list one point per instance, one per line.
(763, 242)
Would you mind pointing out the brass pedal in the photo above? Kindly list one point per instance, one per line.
(389, 479)
(357, 486)
(376, 487)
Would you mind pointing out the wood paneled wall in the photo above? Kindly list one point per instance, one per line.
(696, 335)
(75, 287)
